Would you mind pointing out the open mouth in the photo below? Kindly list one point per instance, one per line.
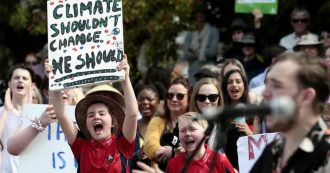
(189, 142)
(234, 91)
(20, 87)
(145, 109)
(98, 127)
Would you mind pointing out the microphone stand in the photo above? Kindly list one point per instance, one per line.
(220, 139)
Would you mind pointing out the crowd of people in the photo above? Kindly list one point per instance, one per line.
(156, 124)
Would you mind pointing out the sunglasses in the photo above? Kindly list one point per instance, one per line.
(211, 97)
(179, 96)
(31, 63)
(299, 20)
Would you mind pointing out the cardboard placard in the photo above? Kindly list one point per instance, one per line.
(85, 42)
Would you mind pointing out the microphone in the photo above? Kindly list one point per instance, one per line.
(281, 107)
(171, 139)
(241, 118)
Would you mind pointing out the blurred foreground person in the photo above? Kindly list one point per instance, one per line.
(304, 145)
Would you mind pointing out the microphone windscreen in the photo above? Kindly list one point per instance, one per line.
(170, 139)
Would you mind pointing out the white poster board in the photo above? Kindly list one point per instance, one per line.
(50, 151)
(250, 148)
(85, 42)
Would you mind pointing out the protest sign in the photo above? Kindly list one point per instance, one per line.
(85, 42)
(249, 149)
(247, 6)
(50, 151)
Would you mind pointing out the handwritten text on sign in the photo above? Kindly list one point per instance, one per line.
(85, 41)
(50, 151)
(249, 149)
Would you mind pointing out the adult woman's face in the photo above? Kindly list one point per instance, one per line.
(177, 98)
(148, 102)
(235, 86)
(207, 97)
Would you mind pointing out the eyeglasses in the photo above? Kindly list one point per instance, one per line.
(179, 96)
(211, 97)
(299, 20)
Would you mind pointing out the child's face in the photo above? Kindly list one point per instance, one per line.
(99, 121)
(190, 134)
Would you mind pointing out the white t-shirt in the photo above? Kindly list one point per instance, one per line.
(10, 163)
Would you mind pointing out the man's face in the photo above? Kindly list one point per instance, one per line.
(281, 81)
(299, 22)
(20, 82)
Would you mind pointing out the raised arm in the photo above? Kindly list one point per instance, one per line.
(69, 129)
(7, 108)
(23, 137)
(131, 112)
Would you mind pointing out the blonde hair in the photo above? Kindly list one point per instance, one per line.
(193, 103)
(194, 117)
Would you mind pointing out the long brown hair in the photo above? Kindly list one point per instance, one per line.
(180, 80)
(224, 84)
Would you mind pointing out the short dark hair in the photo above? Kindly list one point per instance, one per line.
(24, 67)
(313, 73)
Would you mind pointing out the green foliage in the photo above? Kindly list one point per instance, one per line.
(155, 23)
(31, 16)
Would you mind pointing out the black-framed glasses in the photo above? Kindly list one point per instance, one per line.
(203, 97)
(299, 20)
(179, 96)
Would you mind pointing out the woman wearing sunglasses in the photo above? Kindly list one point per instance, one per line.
(161, 139)
(206, 94)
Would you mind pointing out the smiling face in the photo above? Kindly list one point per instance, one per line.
(99, 121)
(148, 102)
(207, 90)
(20, 82)
(174, 104)
(235, 87)
(190, 134)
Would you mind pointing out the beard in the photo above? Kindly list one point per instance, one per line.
(280, 124)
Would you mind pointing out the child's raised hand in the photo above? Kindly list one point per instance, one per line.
(48, 67)
(123, 65)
